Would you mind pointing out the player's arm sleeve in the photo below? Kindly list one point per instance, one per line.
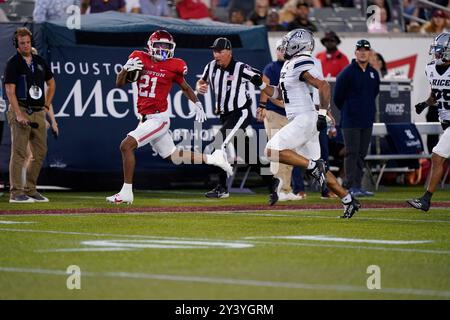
(135, 54)
(305, 65)
(182, 71)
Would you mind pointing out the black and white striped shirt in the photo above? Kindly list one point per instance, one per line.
(230, 84)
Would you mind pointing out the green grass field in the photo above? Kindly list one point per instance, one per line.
(280, 252)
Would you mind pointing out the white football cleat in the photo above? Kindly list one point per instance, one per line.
(218, 158)
(120, 198)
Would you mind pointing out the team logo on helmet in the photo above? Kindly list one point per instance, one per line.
(161, 45)
(440, 48)
(298, 41)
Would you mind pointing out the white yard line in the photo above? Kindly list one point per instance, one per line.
(264, 213)
(275, 243)
(15, 222)
(341, 239)
(238, 282)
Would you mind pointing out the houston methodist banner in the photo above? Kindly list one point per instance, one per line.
(94, 115)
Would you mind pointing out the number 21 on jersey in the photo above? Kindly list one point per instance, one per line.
(143, 86)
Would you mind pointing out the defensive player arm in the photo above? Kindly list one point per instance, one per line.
(264, 97)
(322, 86)
(431, 101)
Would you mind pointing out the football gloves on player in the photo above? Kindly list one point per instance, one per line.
(133, 64)
(321, 122)
(200, 115)
(258, 81)
(420, 107)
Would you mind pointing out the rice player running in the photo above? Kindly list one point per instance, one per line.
(155, 71)
(438, 74)
(297, 143)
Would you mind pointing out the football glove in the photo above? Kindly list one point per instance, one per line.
(258, 82)
(200, 115)
(321, 122)
(133, 64)
(420, 107)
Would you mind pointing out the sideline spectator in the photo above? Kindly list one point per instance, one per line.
(272, 21)
(333, 61)
(288, 12)
(192, 9)
(158, 8)
(26, 115)
(436, 25)
(376, 60)
(302, 18)
(259, 15)
(379, 26)
(357, 87)
(132, 6)
(236, 16)
(97, 6)
(47, 10)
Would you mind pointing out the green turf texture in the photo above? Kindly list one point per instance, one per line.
(272, 268)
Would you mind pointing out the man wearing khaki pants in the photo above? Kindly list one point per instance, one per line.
(271, 111)
(25, 77)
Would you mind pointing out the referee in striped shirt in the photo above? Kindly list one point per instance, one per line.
(229, 80)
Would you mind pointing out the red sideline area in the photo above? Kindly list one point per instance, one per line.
(232, 208)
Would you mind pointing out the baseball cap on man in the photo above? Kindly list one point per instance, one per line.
(221, 43)
(362, 44)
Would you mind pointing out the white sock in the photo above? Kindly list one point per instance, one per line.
(311, 165)
(347, 198)
(127, 188)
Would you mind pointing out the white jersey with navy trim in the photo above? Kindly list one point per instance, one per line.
(440, 86)
(296, 93)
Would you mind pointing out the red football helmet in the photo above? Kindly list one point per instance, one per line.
(161, 45)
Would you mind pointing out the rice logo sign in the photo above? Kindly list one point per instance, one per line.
(395, 109)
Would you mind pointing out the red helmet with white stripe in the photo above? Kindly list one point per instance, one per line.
(161, 45)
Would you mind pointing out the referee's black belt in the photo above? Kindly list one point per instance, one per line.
(445, 124)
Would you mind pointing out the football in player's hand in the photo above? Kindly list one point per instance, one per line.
(132, 76)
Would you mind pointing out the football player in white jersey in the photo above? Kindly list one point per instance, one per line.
(438, 74)
(297, 143)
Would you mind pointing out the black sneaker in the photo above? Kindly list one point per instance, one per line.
(319, 173)
(351, 208)
(420, 203)
(275, 187)
(217, 192)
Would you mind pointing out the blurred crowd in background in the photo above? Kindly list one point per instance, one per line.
(419, 16)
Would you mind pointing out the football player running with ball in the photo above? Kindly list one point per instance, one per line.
(438, 74)
(155, 71)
